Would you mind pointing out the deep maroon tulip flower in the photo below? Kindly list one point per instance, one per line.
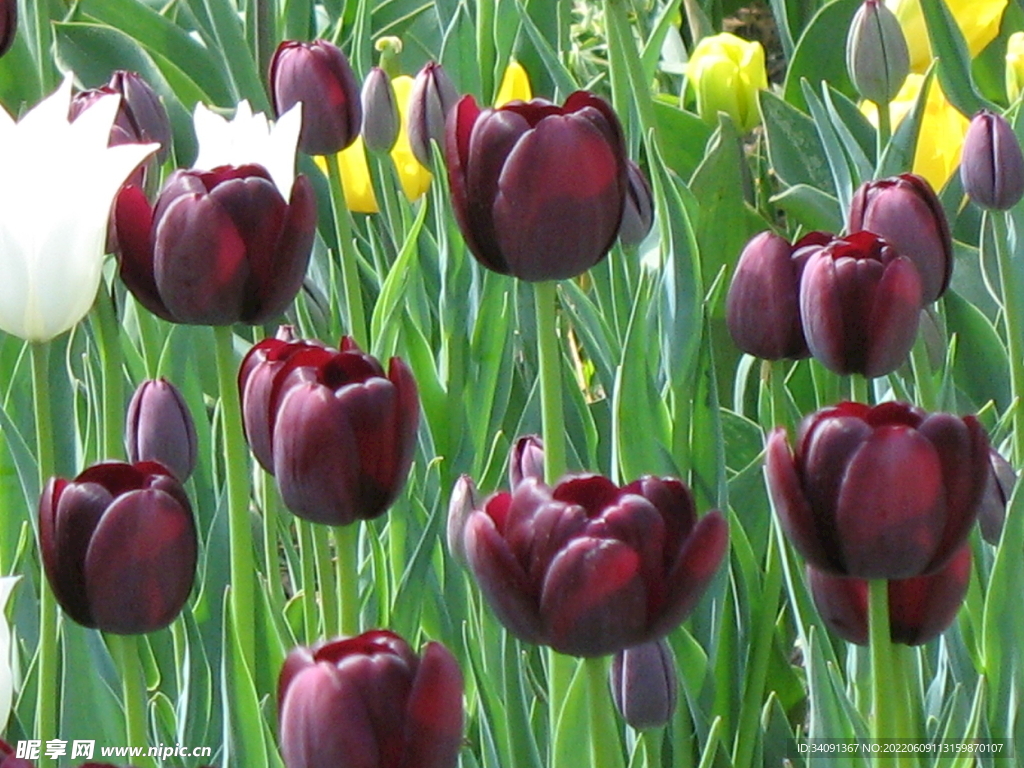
(763, 304)
(888, 492)
(860, 303)
(920, 608)
(538, 190)
(9, 758)
(219, 247)
(141, 117)
(905, 211)
(8, 26)
(589, 568)
(343, 434)
(526, 459)
(318, 75)
(991, 163)
(160, 428)
(370, 702)
(431, 101)
(998, 490)
(644, 684)
(119, 546)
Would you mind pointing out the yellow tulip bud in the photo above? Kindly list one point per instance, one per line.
(1014, 66)
(414, 177)
(515, 85)
(978, 20)
(726, 73)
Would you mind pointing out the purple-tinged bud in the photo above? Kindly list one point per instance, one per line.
(991, 164)
(526, 459)
(998, 489)
(644, 684)
(160, 428)
(877, 56)
(144, 109)
(464, 500)
(432, 99)
(638, 215)
(381, 119)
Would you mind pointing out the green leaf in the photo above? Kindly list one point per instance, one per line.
(981, 368)
(683, 137)
(821, 53)
(898, 156)
(794, 147)
(950, 48)
(810, 207)
(838, 161)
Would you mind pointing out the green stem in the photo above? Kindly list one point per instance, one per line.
(236, 467)
(346, 553)
(271, 561)
(347, 255)
(125, 651)
(325, 578)
(1013, 316)
(553, 423)
(307, 554)
(777, 383)
(884, 129)
(485, 48)
(626, 57)
(560, 674)
(605, 751)
(107, 333)
(651, 740)
(884, 706)
(860, 389)
(48, 694)
(927, 392)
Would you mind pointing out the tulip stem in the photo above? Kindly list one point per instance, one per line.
(48, 693)
(884, 130)
(125, 651)
(651, 740)
(605, 751)
(307, 555)
(346, 552)
(325, 577)
(347, 255)
(549, 360)
(1012, 319)
(884, 704)
(236, 467)
(106, 329)
(927, 394)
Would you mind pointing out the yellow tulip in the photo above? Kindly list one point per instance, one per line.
(978, 21)
(414, 177)
(515, 85)
(1014, 66)
(942, 129)
(726, 73)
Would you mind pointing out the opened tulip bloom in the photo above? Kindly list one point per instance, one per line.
(589, 568)
(538, 190)
(370, 702)
(53, 235)
(888, 492)
(119, 546)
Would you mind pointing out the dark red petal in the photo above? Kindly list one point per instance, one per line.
(821, 311)
(433, 725)
(920, 609)
(842, 602)
(894, 316)
(133, 223)
(77, 514)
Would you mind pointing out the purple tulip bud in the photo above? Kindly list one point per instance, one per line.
(160, 428)
(763, 305)
(526, 459)
(9, 759)
(905, 211)
(318, 75)
(888, 492)
(343, 434)
(538, 190)
(860, 302)
(644, 684)
(119, 546)
(991, 164)
(219, 247)
(920, 608)
(463, 502)
(877, 56)
(638, 215)
(381, 119)
(8, 24)
(370, 701)
(431, 100)
(998, 490)
(589, 568)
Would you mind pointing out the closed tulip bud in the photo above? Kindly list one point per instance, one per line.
(991, 164)
(344, 434)
(888, 492)
(726, 73)
(432, 99)
(119, 546)
(638, 214)
(8, 27)
(463, 502)
(1014, 66)
(644, 683)
(762, 307)
(860, 303)
(538, 190)
(319, 76)
(380, 112)
(920, 608)
(219, 247)
(9, 759)
(526, 459)
(160, 428)
(905, 211)
(589, 568)
(141, 117)
(877, 57)
(998, 490)
(370, 701)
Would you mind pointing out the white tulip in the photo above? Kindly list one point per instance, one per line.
(6, 673)
(249, 138)
(59, 183)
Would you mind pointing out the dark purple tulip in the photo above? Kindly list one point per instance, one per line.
(860, 302)
(218, 247)
(370, 702)
(998, 489)
(920, 608)
(638, 215)
(538, 190)
(8, 28)
(141, 117)
(381, 119)
(159, 428)
(905, 211)
(431, 101)
(344, 433)
(526, 459)
(888, 492)
(460, 507)
(9, 759)
(991, 163)
(763, 304)
(318, 75)
(119, 546)
(589, 568)
(644, 684)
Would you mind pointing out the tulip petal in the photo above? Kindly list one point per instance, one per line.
(433, 730)
(895, 311)
(133, 221)
(65, 531)
(277, 286)
(842, 602)
(921, 608)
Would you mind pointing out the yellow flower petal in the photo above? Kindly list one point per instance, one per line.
(515, 85)
(414, 177)
(978, 20)
(1014, 66)
(726, 72)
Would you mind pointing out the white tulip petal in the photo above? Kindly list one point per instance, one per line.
(7, 584)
